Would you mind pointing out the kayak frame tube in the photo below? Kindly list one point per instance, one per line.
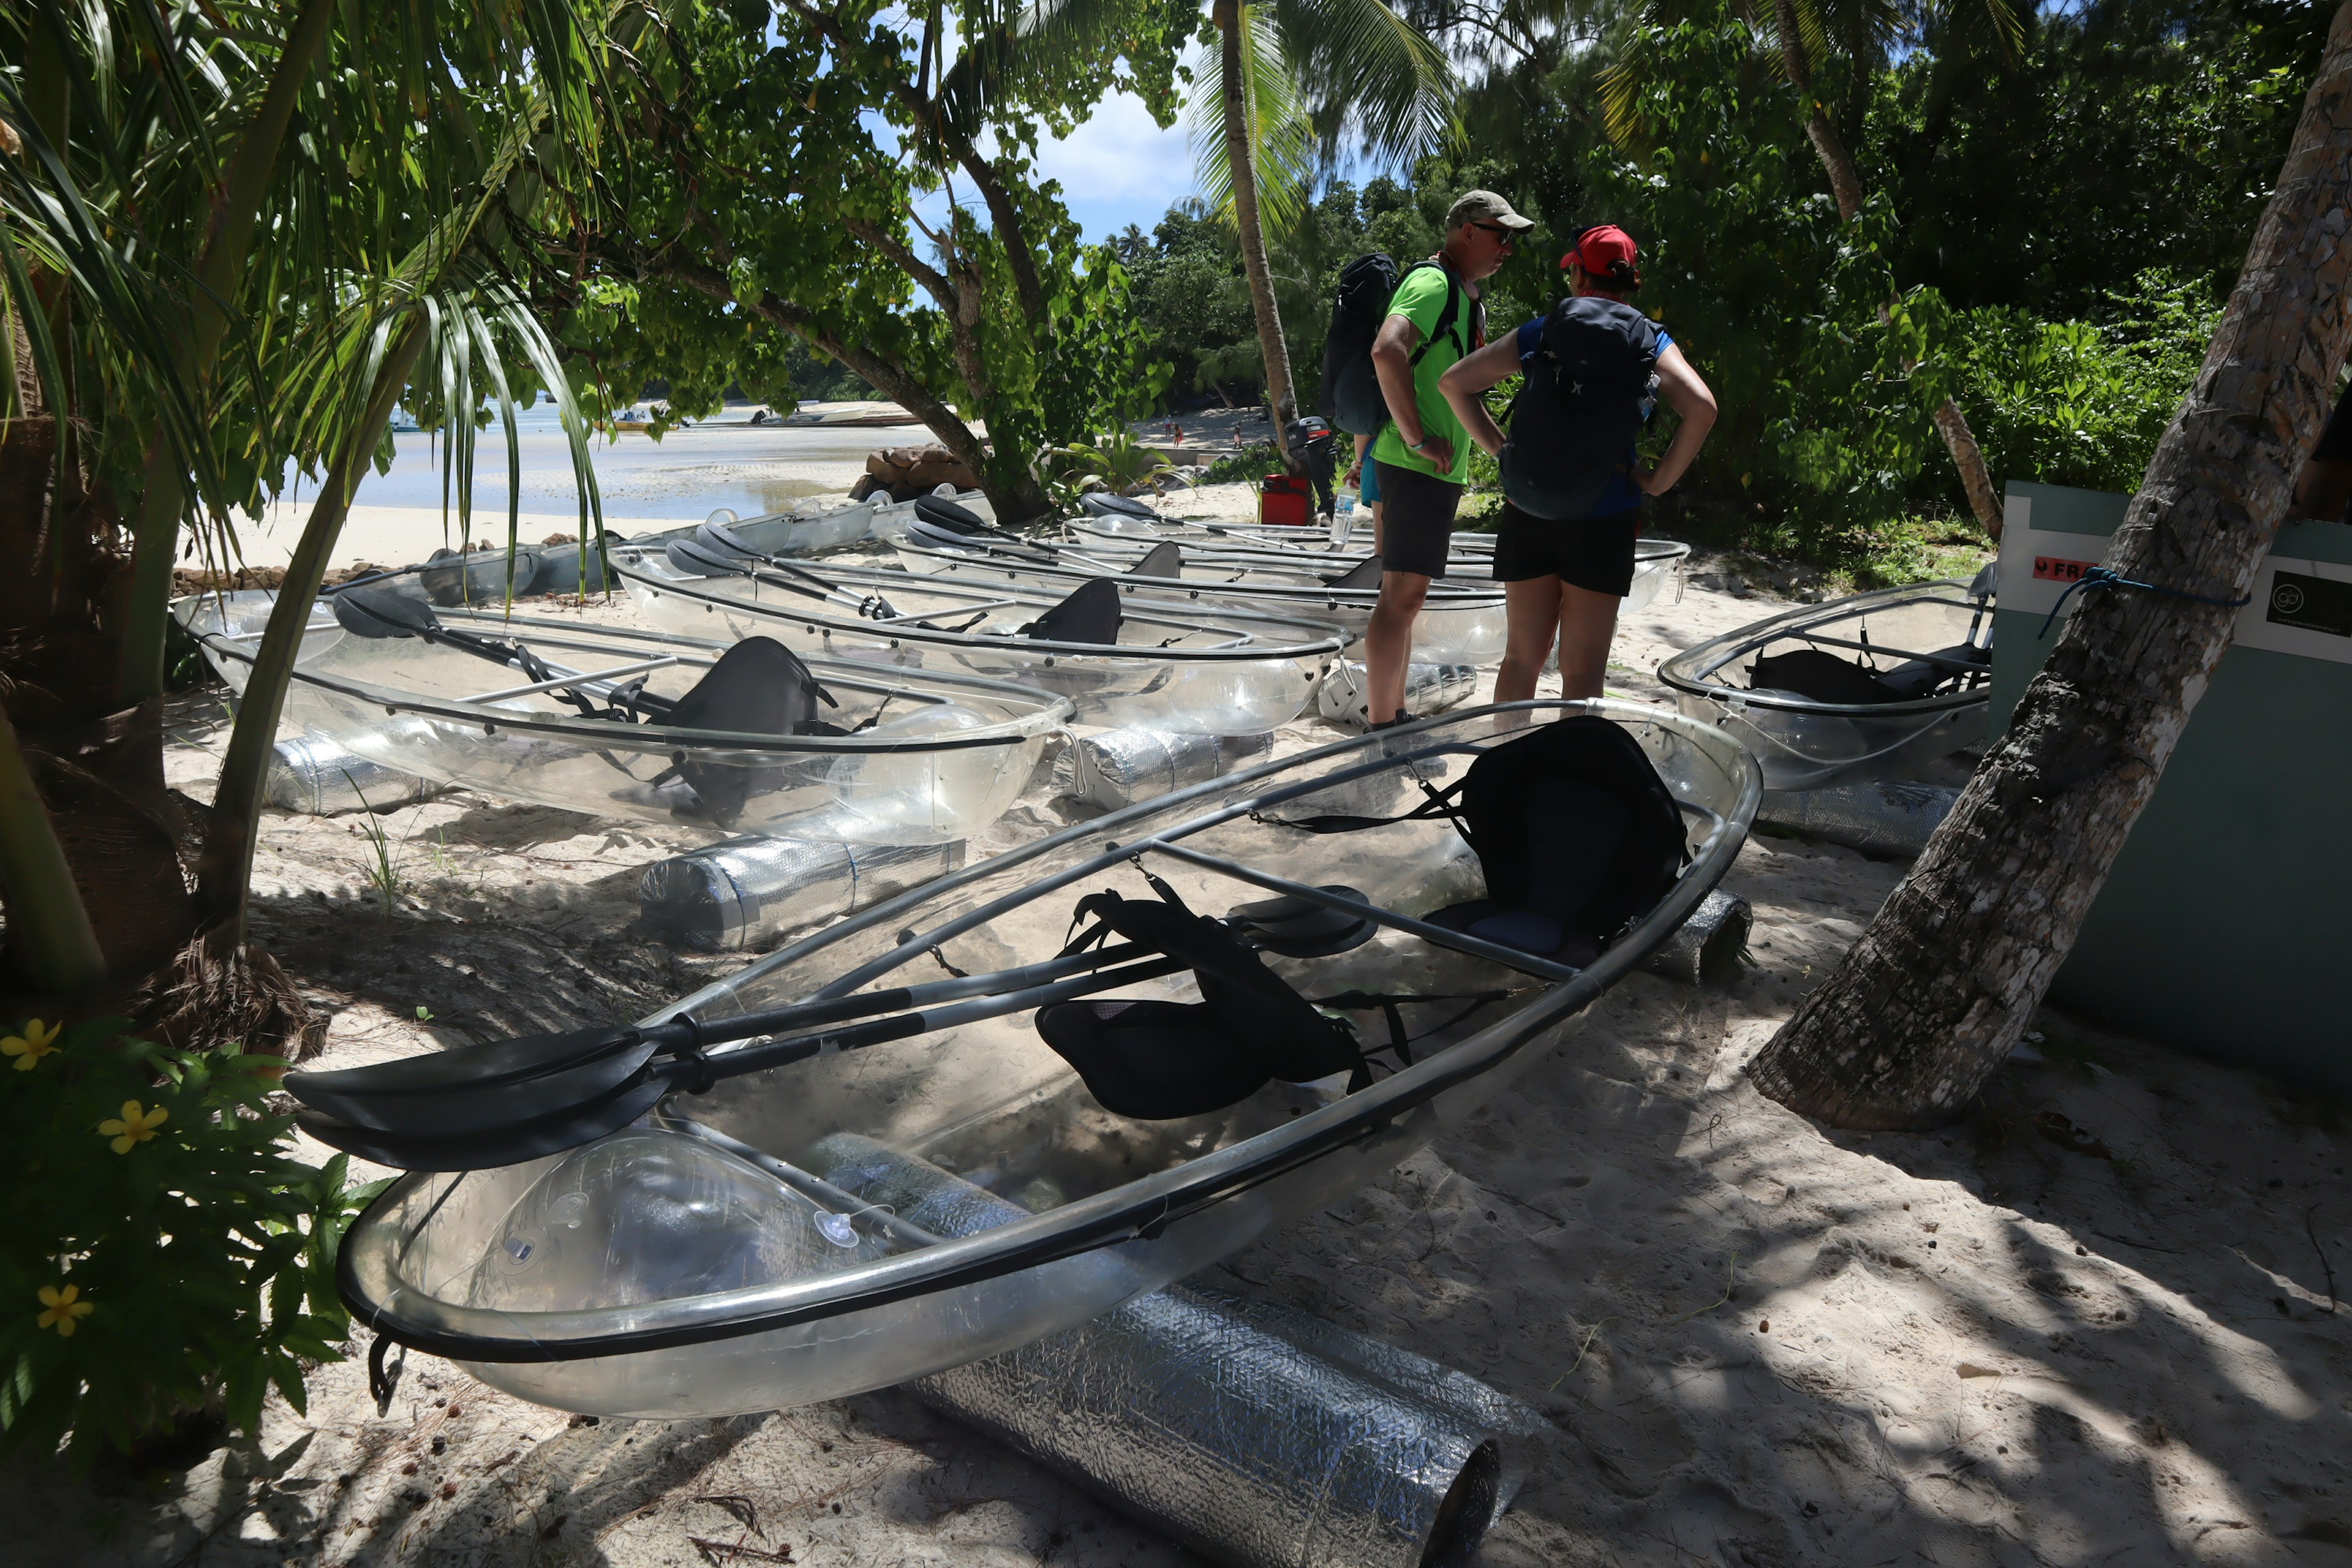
(1128, 1239)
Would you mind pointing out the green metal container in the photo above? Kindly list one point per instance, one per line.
(2225, 927)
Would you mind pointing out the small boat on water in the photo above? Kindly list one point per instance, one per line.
(1120, 660)
(1317, 974)
(1461, 622)
(617, 722)
(1859, 687)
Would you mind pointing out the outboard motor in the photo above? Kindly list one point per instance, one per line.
(1310, 440)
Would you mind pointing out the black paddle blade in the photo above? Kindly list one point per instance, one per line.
(948, 514)
(1090, 614)
(489, 1148)
(1364, 573)
(697, 560)
(725, 541)
(1163, 560)
(473, 1088)
(373, 612)
(1102, 501)
(1295, 928)
(759, 686)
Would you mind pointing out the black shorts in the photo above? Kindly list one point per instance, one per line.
(1416, 519)
(1595, 553)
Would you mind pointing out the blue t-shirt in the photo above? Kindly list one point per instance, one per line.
(1621, 494)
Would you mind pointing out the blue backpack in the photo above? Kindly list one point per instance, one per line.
(1589, 384)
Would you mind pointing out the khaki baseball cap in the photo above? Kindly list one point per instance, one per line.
(1484, 206)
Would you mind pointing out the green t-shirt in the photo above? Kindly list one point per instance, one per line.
(1420, 299)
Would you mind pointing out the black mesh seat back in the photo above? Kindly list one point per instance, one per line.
(1571, 821)
(1090, 614)
(1364, 573)
(759, 686)
(1157, 1060)
(1162, 560)
(1822, 675)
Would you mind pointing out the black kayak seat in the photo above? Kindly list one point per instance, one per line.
(1577, 835)
(1090, 614)
(1917, 677)
(1364, 573)
(1162, 560)
(759, 686)
(1296, 928)
(1156, 1061)
(1818, 676)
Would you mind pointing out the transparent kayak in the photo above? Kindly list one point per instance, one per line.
(1171, 667)
(1461, 622)
(1859, 687)
(928, 756)
(1471, 557)
(716, 1257)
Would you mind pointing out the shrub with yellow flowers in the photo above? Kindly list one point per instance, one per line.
(158, 1250)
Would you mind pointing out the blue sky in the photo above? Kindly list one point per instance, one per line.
(1118, 168)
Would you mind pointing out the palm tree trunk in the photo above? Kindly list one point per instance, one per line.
(1845, 184)
(1254, 265)
(1924, 1009)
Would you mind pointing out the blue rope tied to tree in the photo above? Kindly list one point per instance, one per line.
(2100, 577)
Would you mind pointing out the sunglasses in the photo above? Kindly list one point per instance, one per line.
(1498, 230)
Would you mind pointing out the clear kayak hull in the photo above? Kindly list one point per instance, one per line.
(1460, 623)
(945, 755)
(1174, 668)
(700, 1263)
(1934, 638)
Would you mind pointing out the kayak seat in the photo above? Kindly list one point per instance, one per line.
(1295, 928)
(1917, 677)
(1822, 677)
(759, 686)
(1364, 573)
(1090, 614)
(1156, 1061)
(1524, 930)
(1162, 560)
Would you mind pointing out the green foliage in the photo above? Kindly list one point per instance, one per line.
(1250, 464)
(1116, 460)
(160, 1250)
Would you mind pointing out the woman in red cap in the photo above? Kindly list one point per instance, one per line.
(1574, 485)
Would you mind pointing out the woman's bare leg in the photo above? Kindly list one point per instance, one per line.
(1532, 609)
(1588, 624)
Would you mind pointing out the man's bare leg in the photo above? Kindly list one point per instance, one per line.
(1588, 624)
(1388, 641)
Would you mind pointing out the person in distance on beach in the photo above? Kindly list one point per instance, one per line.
(1423, 460)
(1572, 482)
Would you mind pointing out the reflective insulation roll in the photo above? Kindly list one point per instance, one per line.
(1345, 698)
(319, 778)
(747, 892)
(1255, 1434)
(1710, 944)
(1877, 817)
(1112, 768)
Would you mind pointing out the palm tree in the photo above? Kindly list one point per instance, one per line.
(1799, 35)
(1354, 66)
(232, 235)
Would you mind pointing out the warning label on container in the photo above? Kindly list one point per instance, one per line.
(2058, 569)
(2310, 603)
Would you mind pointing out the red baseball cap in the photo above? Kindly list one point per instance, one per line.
(1596, 247)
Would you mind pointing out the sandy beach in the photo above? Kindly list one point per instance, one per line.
(2097, 1324)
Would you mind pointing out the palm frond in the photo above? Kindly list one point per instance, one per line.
(1279, 132)
(1378, 79)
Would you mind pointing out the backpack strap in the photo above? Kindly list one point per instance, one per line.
(1452, 306)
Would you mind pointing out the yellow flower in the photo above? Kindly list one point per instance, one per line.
(136, 1126)
(37, 1041)
(62, 1310)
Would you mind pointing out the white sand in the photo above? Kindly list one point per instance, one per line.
(1982, 1348)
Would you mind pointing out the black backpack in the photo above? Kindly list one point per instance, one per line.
(1587, 385)
(1351, 398)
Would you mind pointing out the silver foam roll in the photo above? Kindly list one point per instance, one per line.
(1255, 1434)
(319, 778)
(1113, 768)
(748, 891)
(1707, 945)
(1877, 817)
(1345, 696)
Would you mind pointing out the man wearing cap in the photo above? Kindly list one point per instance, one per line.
(1423, 455)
